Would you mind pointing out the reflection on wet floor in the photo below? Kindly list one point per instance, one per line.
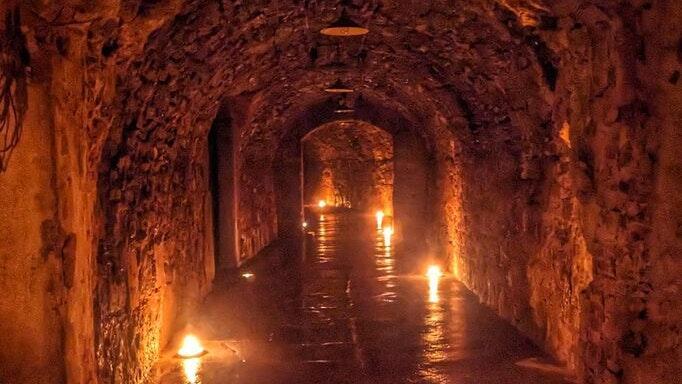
(345, 312)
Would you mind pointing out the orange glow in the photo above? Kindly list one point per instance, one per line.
(433, 273)
(191, 369)
(191, 347)
(380, 219)
(322, 204)
(344, 26)
(305, 224)
(388, 233)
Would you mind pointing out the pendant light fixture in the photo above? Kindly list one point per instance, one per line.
(338, 87)
(344, 26)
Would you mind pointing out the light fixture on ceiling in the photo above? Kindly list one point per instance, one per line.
(338, 87)
(344, 26)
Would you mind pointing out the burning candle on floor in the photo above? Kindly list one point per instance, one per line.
(380, 219)
(322, 203)
(433, 273)
(190, 352)
(191, 347)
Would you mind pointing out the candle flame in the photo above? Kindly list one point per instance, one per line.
(433, 273)
(380, 219)
(322, 204)
(305, 224)
(191, 347)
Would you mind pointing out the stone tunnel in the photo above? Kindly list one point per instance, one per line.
(353, 191)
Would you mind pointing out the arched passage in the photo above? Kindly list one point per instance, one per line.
(412, 190)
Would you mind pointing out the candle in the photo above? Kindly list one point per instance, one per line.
(191, 347)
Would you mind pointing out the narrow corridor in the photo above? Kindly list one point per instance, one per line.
(348, 314)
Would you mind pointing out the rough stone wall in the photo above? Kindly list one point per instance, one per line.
(34, 247)
(114, 226)
(357, 158)
(661, 359)
(448, 211)
(513, 222)
(55, 166)
(560, 268)
(586, 195)
(257, 209)
(618, 69)
(155, 242)
(495, 244)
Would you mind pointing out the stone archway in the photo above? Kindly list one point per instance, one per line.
(412, 153)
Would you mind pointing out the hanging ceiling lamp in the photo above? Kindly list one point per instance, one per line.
(338, 87)
(344, 26)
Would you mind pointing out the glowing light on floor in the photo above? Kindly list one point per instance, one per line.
(323, 227)
(191, 367)
(380, 219)
(305, 224)
(248, 275)
(322, 204)
(388, 233)
(433, 273)
(191, 347)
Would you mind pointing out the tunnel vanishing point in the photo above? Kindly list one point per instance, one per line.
(151, 151)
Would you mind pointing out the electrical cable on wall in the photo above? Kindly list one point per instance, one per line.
(14, 60)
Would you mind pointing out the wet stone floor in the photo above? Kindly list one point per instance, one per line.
(343, 312)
